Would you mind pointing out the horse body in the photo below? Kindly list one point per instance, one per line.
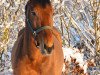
(36, 63)
(27, 58)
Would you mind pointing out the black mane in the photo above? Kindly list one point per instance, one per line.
(43, 3)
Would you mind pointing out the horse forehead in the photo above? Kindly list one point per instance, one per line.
(48, 9)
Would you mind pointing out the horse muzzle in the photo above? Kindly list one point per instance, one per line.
(47, 50)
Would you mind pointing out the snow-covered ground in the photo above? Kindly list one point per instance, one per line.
(75, 54)
(74, 58)
(5, 73)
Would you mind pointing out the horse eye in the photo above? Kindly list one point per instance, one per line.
(33, 13)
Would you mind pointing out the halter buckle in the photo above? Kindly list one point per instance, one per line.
(34, 33)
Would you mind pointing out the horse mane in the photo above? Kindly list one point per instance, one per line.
(43, 3)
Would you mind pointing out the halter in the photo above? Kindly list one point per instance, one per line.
(35, 31)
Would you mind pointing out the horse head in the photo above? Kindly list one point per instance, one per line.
(39, 19)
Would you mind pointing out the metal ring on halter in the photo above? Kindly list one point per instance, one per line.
(34, 33)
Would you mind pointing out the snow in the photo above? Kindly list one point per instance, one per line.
(56, 1)
(6, 73)
(76, 54)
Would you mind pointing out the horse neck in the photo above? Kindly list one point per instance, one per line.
(29, 48)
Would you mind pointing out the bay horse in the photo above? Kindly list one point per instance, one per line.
(38, 48)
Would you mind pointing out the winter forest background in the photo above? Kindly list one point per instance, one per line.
(78, 22)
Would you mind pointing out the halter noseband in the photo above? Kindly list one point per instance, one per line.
(36, 31)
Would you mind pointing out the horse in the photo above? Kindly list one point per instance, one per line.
(38, 48)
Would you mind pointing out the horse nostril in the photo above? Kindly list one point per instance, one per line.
(49, 49)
